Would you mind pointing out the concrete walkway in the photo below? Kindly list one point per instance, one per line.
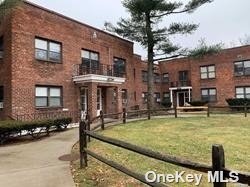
(36, 164)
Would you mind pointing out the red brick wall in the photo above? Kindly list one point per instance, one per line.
(30, 22)
(5, 66)
(20, 72)
(225, 81)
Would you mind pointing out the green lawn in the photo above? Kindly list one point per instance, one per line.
(189, 138)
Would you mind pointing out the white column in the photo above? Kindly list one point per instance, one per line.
(189, 94)
(171, 97)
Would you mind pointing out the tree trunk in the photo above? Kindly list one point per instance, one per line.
(150, 97)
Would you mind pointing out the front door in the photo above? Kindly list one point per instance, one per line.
(84, 101)
(182, 98)
(99, 101)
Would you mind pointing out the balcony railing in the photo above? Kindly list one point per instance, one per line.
(101, 69)
(180, 84)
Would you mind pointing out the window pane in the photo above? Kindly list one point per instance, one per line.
(211, 68)
(85, 54)
(41, 92)
(204, 76)
(247, 67)
(240, 96)
(55, 92)
(166, 95)
(239, 90)
(203, 69)
(55, 101)
(165, 75)
(238, 68)
(247, 64)
(211, 75)
(41, 44)
(41, 54)
(204, 92)
(54, 47)
(55, 56)
(212, 92)
(41, 102)
(247, 90)
(94, 56)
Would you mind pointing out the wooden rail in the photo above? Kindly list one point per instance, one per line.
(218, 157)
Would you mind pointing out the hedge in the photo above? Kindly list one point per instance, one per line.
(10, 129)
(238, 102)
(198, 103)
(166, 103)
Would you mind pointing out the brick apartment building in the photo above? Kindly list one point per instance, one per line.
(49, 62)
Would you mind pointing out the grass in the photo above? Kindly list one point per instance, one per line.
(189, 138)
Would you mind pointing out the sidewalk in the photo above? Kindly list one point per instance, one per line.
(36, 164)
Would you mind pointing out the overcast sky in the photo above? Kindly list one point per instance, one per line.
(221, 21)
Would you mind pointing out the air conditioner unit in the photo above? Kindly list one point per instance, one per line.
(1, 54)
(158, 100)
(1, 104)
(124, 101)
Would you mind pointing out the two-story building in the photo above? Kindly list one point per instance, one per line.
(50, 63)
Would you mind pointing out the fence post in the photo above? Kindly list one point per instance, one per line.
(84, 142)
(245, 110)
(218, 163)
(124, 115)
(208, 110)
(81, 136)
(149, 114)
(102, 120)
(175, 112)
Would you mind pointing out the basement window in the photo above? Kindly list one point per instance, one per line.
(1, 47)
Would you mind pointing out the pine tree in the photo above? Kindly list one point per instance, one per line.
(143, 26)
(6, 6)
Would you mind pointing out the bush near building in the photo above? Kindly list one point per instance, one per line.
(13, 129)
(238, 102)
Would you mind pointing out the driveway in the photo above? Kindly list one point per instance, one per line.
(37, 164)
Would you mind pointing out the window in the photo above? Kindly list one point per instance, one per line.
(207, 72)
(144, 76)
(183, 78)
(209, 94)
(134, 73)
(119, 67)
(166, 96)
(165, 78)
(48, 50)
(124, 96)
(144, 97)
(157, 78)
(1, 47)
(90, 59)
(48, 96)
(242, 68)
(135, 96)
(1, 96)
(157, 97)
(243, 92)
